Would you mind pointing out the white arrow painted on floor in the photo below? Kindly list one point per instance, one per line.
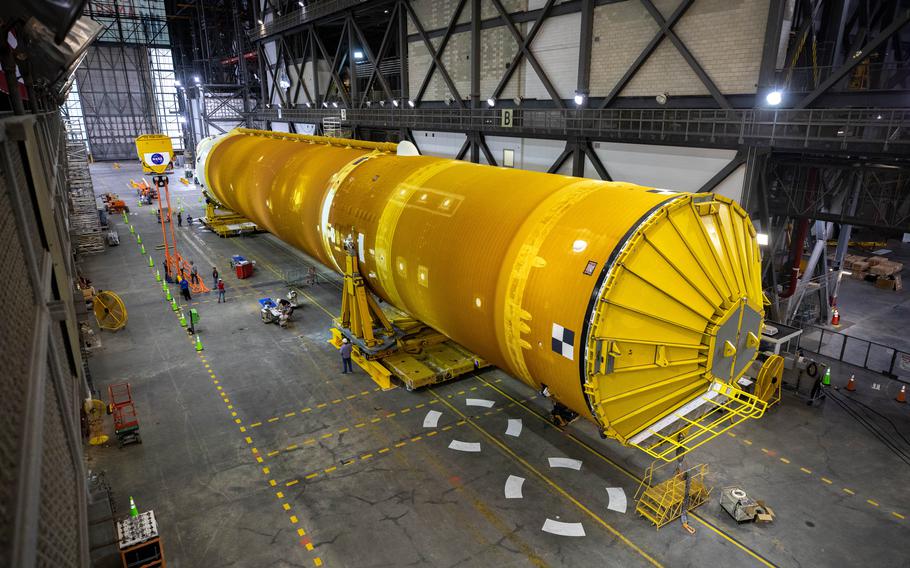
(567, 463)
(563, 529)
(479, 402)
(431, 420)
(464, 446)
(513, 487)
(617, 499)
(514, 428)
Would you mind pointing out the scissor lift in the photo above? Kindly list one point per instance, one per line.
(126, 422)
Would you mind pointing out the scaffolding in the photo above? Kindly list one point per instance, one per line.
(84, 221)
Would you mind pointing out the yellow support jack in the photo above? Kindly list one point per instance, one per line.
(359, 311)
(362, 317)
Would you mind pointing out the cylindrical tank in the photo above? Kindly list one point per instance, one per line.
(626, 302)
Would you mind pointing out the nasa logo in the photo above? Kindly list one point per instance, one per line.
(157, 159)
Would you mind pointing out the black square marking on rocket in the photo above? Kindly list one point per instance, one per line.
(563, 341)
(589, 269)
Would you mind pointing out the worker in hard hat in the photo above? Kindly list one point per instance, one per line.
(346, 349)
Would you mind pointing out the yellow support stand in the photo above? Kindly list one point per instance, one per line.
(769, 380)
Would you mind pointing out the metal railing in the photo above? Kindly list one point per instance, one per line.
(883, 131)
(889, 361)
(308, 13)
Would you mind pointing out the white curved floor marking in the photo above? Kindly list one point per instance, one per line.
(566, 463)
(431, 420)
(513, 487)
(563, 529)
(514, 428)
(479, 402)
(617, 499)
(464, 446)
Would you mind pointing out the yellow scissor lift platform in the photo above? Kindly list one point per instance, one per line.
(397, 347)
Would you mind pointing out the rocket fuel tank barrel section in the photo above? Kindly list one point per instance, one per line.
(625, 301)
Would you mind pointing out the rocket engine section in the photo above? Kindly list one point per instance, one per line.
(631, 306)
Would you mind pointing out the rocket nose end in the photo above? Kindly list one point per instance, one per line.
(407, 148)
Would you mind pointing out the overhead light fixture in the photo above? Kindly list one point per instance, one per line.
(335, 104)
(196, 79)
(369, 104)
(307, 105)
(662, 98)
(491, 102)
(385, 11)
(517, 100)
(762, 239)
(382, 103)
(411, 103)
(300, 4)
(878, 117)
(774, 98)
(260, 21)
(449, 101)
(358, 55)
(325, 104)
(395, 102)
(579, 98)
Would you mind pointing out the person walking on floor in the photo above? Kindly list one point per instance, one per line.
(180, 218)
(346, 349)
(215, 276)
(194, 273)
(185, 289)
(221, 291)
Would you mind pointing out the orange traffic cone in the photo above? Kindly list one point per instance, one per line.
(902, 396)
(835, 317)
(851, 384)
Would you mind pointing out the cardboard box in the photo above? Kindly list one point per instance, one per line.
(885, 283)
(860, 274)
(861, 266)
(873, 260)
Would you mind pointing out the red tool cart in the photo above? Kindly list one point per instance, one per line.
(120, 404)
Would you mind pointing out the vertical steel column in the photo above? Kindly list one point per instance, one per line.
(352, 62)
(768, 68)
(241, 65)
(578, 157)
(851, 202)
(475, 75)
(583, 84)
(317, 98)
(404, 78)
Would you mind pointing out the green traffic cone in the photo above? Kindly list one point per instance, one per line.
(157, 272)
(182, 319)
(142, 249)
(140, 203)
(163, 286)
(174, 305)
(168, 296)
(138, 239)
(198, 343)
(134, 512)
(132, 230)
(826, 380)
(152, 264)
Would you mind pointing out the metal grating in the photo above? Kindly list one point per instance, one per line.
(16, 331)
(58, 525)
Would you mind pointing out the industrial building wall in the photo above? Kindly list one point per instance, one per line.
(42, 481)
(668, 167)
(725, 37)
(118, 101)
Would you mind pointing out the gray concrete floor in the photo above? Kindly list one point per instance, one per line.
(258, 452)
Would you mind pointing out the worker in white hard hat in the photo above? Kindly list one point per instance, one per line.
(346, 349)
